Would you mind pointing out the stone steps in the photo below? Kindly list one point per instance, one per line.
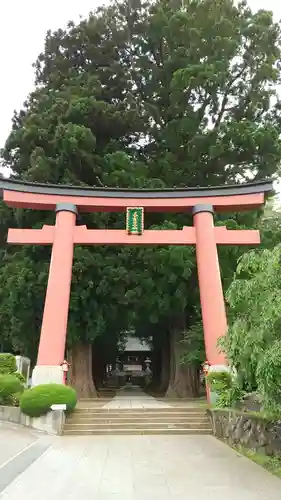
(166, 420)
(136, 411)
(106, 393)
(136, 425)
(108, 418)
(136, 432)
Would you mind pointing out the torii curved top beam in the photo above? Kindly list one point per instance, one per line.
(232, 197)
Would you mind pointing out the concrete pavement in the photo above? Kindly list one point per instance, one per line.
(13, 440)
(130, 468)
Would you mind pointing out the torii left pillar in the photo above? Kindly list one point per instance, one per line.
(52, 343)
(211, 292)
(210, 285)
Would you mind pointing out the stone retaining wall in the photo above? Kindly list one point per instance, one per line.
(51, 423)
(249, 431)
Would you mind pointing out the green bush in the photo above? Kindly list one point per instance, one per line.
(7, 363)
(229, 397)
(38, 400)
(9, 385)
(227, 388)
(219, 381)
(21, 377)
(14, 400)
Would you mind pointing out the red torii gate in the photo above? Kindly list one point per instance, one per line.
(68, 201)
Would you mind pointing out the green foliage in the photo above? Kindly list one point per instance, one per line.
(38, 400)
(9, 385)
(7, 363)
(254, 311)
(224, 399)
(228, 398)
(14, 400)
(193, 345)
(268, 377)
(269, 223)
(11, 381)
(20, 377)
(227, 388)
(253, 340)
(219, 381)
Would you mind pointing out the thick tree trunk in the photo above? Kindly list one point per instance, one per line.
(156, 366)
(184, 379)
(97, 366)
(165, 366)
(80, 373)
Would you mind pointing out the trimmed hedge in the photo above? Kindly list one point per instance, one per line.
(38, 400)
(7, 363)
(9, 385)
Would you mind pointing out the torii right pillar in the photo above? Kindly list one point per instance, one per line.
(210, 285)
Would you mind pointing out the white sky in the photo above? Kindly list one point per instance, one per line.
(23, 25)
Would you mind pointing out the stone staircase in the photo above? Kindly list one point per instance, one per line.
(180, 420)
(106, 392)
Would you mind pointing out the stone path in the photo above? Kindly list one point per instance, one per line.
(134, 398)
(129, 468)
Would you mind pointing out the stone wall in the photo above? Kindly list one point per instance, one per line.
(51, 423)
(250, 431)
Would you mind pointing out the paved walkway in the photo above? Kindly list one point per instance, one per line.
(134, 398)
(128, 468)
(13, 440)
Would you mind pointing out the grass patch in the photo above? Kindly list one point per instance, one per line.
(272, 464)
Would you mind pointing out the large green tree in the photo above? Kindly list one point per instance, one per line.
(140, 94)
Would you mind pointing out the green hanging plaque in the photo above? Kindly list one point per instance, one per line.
(135, 220)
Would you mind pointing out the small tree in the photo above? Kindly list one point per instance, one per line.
(269, 378)
(253, 341)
